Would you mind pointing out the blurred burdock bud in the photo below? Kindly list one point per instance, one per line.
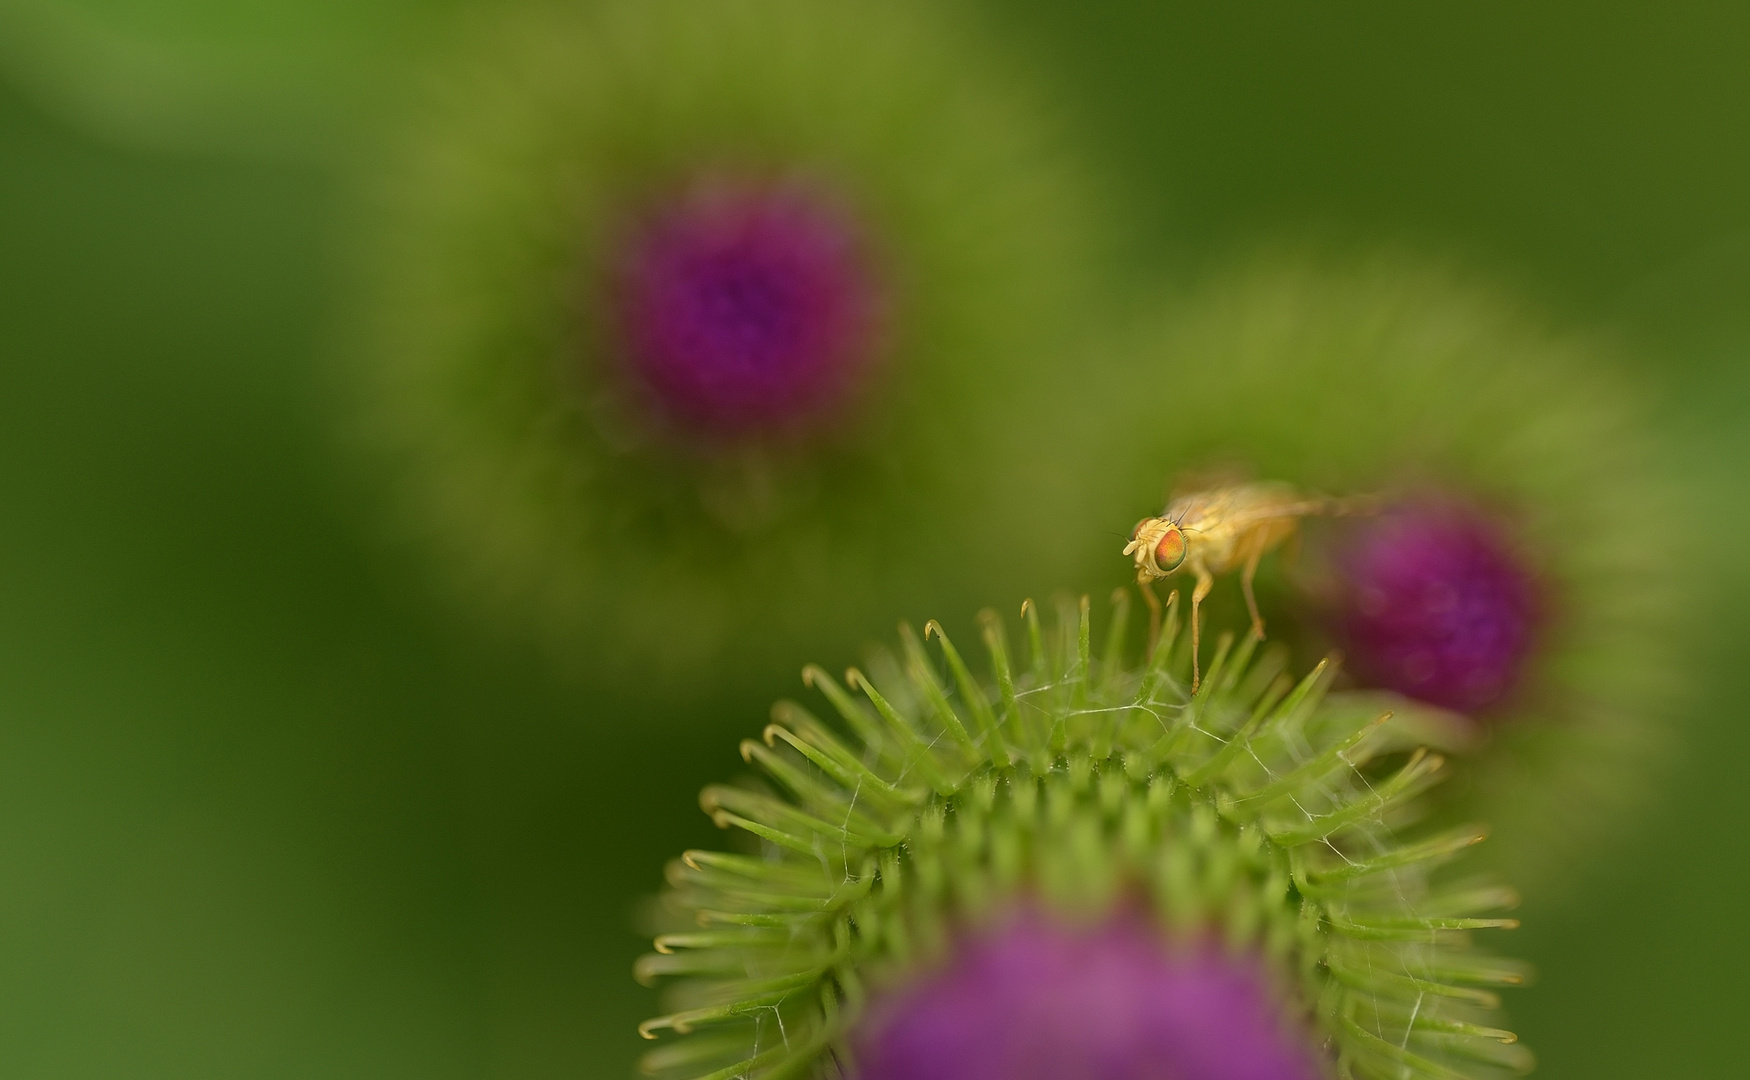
(1072, 867)
(1522, 568)
(687, 317)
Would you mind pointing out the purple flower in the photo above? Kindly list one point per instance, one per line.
(746, 310)
(1040, 999)
(1436, 604)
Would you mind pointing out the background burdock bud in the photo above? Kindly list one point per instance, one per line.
(1074, 868)
(680, 317)
(1523, 563)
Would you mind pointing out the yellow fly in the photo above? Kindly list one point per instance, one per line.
(1215, 532)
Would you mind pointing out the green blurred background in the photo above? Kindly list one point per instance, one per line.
(269, 810)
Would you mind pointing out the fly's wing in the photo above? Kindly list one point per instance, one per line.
(1251, 504)
(1237, 507)
(1280, 502)
(1258, 512)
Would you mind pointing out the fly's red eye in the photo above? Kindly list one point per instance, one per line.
(1170, 549)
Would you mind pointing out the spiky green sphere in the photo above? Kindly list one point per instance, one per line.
(1521, 567)
(684, 318)
(932, 887)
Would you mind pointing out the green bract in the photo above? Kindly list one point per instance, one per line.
(1263, 809)
(1390, 376)
(492, 374)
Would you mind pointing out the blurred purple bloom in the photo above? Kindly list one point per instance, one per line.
(1436, 604)
(1044, 1000)
(747, 309)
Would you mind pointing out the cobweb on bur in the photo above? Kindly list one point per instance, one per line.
(1262, 829)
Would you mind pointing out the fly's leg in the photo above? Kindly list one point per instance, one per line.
(1147, 589)
(1246, 576)
(1205, 582)
(1291, 551)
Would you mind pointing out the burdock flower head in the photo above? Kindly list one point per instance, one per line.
(1497, 571)
(746, 310)
(1431, 599)
(1041, 996)
(1074, 867)
(685, 314)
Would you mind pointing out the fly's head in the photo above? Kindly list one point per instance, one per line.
(1158, 546)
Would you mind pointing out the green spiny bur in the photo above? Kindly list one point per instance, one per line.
(1264, 809)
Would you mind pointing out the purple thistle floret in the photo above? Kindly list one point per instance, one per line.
(1041, 999)
(747, 309)
(1436, 604)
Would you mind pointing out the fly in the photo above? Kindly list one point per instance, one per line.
(1215, 532)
